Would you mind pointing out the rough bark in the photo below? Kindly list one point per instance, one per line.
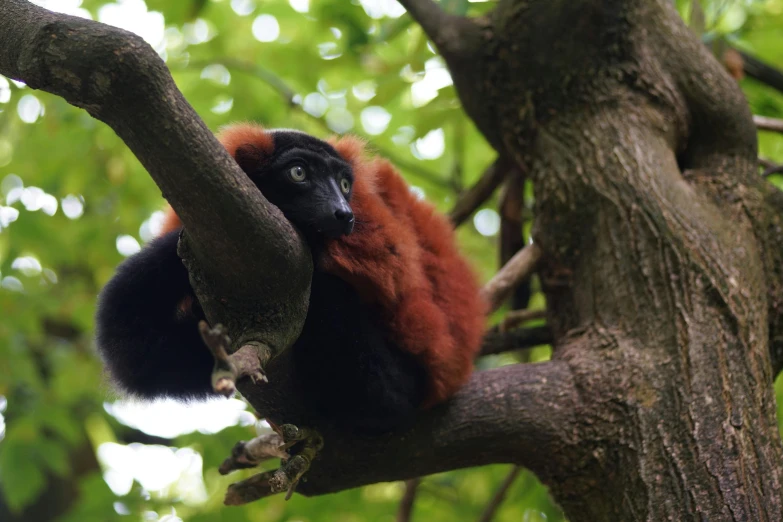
(660, 251)
(660, 254)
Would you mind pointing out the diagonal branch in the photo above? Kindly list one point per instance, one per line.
(120, 80)
(514, 272)
(761, 71)
(497, 499)
(449, 33)
(479, 192)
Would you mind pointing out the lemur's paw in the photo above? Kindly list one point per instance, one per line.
(247, 361)
(251, 453)
(296, 447)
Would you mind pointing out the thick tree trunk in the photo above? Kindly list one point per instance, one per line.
(661, 283)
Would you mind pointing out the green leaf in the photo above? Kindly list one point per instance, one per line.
(21, 478)
(54, 456)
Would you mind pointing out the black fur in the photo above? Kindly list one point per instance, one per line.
(150, 347)
(350, 372)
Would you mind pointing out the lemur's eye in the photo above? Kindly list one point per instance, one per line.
(345, 185)
(297, 174)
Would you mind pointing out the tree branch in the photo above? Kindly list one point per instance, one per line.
(444, 29)
(494, 504)
(760, 71)
(405, 510)
(768, 124)
(516, 317)
(236, 242)
(480, 191)
(777, 169)
(520, 414)
(514, 272)
(496, 341)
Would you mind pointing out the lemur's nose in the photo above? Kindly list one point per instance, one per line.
(343, 214)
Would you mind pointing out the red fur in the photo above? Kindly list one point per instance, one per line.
(401, 258)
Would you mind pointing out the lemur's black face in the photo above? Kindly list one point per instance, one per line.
(309, 181)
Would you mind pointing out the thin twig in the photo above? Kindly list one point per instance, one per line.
(480, 191)
(775, 169)
(496, 342)
(768, 124)
(761, 71)
(766, 163)
(500, 494)
(514, 272)
(516, 317)
(408, 499)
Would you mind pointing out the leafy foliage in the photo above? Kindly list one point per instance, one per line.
(74, 200)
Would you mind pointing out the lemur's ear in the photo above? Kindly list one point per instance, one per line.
(249, 144)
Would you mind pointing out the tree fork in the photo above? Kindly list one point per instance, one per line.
(659, 251)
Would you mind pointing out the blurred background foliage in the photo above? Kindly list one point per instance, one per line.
(74, 201)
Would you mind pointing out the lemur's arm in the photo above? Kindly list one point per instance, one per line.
(147, 326)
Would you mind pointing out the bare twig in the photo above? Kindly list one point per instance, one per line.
(481, 190)
(770, 167)
(516, 317)
(766, 163)
(760, 71)
(408, 499)
(768, 124)
(773, 170)
(496, 342)
(500, 494)
(515, 271)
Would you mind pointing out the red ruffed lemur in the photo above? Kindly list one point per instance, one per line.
(395, 318)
